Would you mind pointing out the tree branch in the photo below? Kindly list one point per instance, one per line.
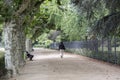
(23, 7)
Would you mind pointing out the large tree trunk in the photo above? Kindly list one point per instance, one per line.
(20, 46)
(8, 38)
(13, 37)
(28, 45)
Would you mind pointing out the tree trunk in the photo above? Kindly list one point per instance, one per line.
(28, 45)
(20, 46)
(9, 53)
(13, 37)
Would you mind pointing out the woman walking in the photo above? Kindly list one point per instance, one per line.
(61, 48)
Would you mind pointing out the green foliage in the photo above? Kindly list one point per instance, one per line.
(43, 40)
(1, 27)
(73, 17)
(1, 54)
(101, 16)
(16, 3)
(74, 21)
(104, 56)
(73, 25)
(65, 16)
(40, 22)
(2, 64)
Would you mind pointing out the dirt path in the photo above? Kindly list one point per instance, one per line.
(47, 65)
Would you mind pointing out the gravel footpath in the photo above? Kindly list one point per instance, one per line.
(47, 65)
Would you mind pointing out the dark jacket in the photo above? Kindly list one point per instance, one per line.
(61, 46)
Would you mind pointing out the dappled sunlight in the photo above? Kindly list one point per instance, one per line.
(42, 53)
(52, 56)
(47, 65)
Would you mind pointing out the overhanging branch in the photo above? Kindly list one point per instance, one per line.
(23, 7)
(107, 25)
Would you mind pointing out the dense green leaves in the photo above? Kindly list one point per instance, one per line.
(73, 17)
(96, 12)
(66, 17)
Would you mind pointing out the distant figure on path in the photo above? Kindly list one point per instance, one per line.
(61, 48)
